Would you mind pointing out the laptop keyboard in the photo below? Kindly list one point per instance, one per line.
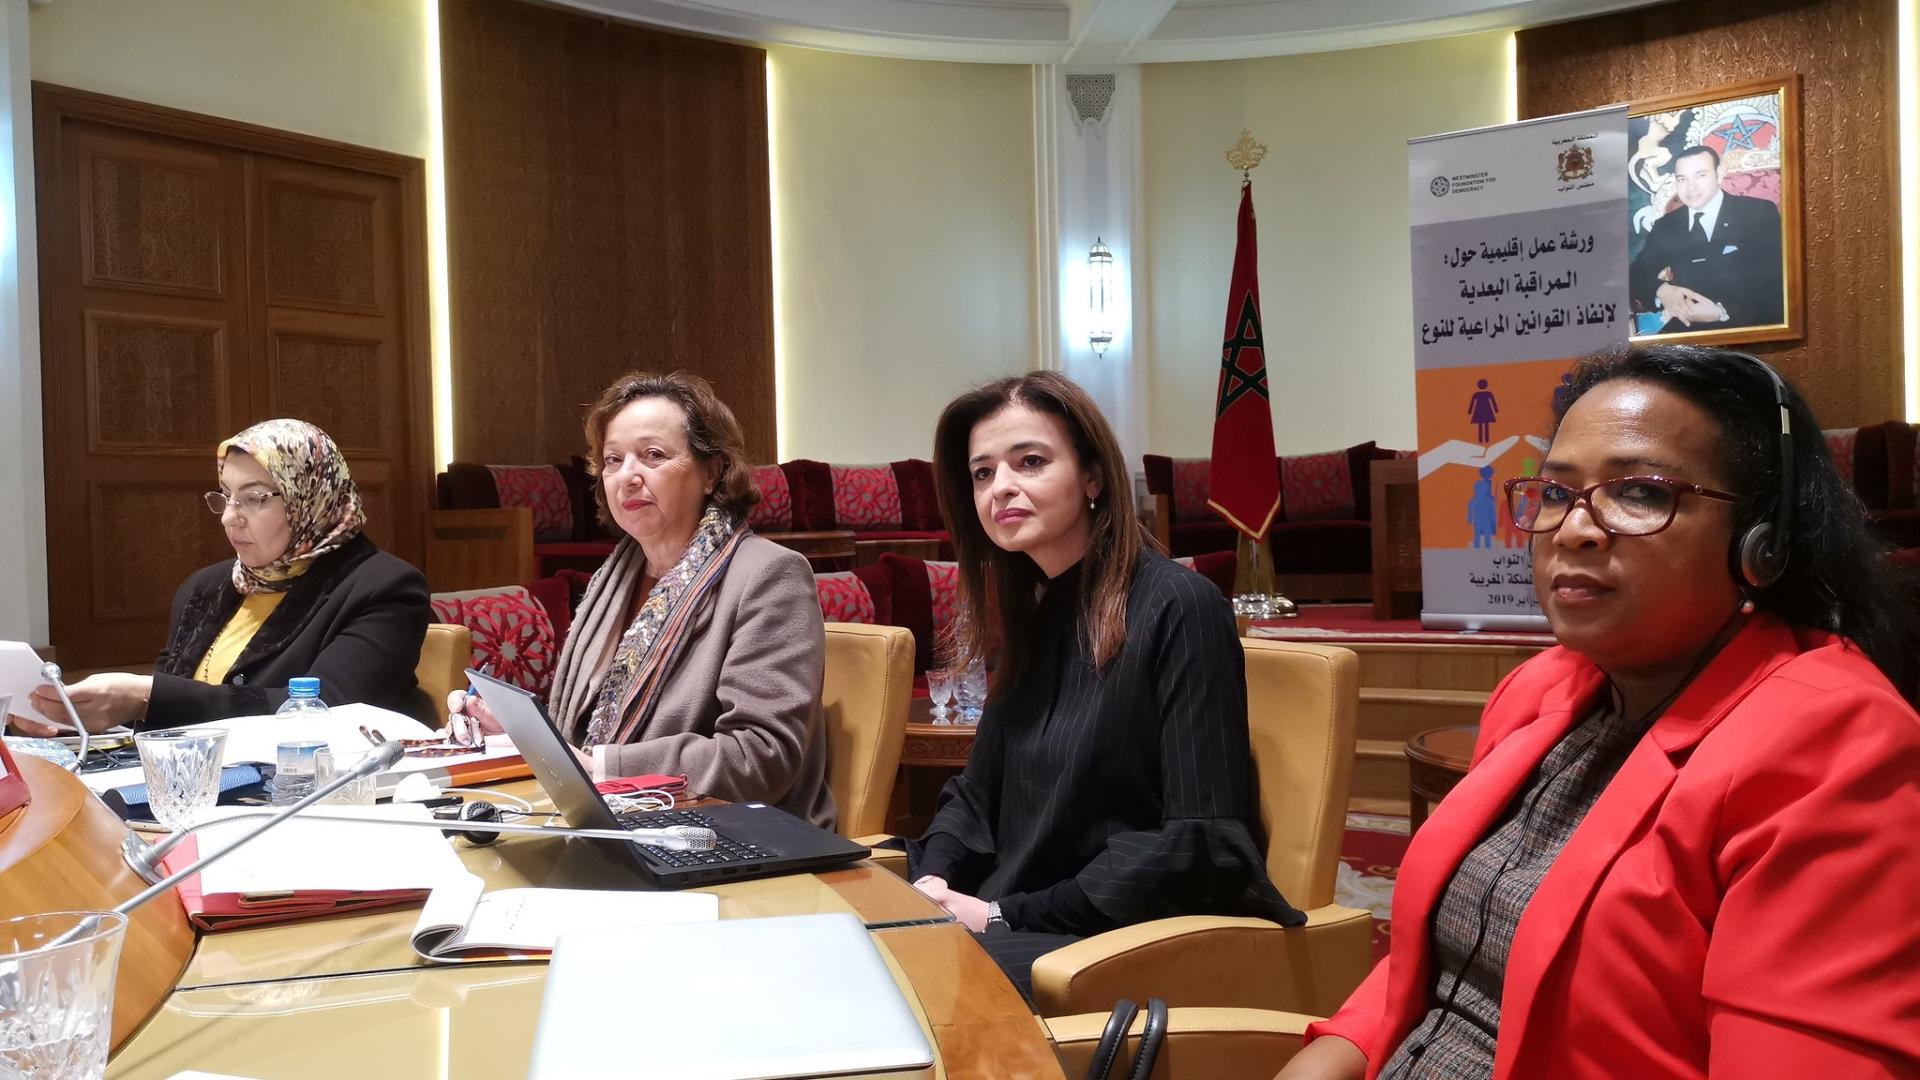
(725, 848)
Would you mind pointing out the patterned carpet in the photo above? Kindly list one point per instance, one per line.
(1369, 861)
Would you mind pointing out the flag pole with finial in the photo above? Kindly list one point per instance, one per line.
(1243, 480)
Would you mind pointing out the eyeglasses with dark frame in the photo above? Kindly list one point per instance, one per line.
(1627, 506)
(249, 503)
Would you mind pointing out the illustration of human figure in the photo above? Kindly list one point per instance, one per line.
(1482, 513)
(1522, 504)
(1482, 411)
(1562, 395)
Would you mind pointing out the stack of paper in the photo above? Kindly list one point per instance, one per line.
(305, 867)
(256, 738)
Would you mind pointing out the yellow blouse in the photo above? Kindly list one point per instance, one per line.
(234, 637)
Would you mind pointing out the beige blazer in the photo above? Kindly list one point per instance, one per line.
(739, 711)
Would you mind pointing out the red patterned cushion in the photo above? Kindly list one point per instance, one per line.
(925, 600)
(774, 511)
(540, 488)
(919, 503)
(943, 585)
(1317, 487)
(866, 496)
(1840, 443)
(512, 636)
(844, 598)
(1191, 477)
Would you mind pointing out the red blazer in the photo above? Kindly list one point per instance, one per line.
(1742, 901)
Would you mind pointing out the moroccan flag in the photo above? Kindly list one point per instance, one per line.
(1245, 484)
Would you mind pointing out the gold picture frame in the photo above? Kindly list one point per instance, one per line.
(1748, 137)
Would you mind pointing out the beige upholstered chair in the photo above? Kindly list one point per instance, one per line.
(444, 657)
(865, 696)
(1302, 701)
(1218, 1044)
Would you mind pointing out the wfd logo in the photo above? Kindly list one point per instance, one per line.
(1439, 186)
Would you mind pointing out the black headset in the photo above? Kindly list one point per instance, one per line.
(1761, 555)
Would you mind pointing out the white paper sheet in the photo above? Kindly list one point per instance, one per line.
(19, 674)
(306, 854)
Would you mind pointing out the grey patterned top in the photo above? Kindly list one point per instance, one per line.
(1474, 923)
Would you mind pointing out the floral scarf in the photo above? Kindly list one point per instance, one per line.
(323, 506)
(649, 646)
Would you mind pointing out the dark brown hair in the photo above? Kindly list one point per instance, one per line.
(712, 433)
(1002, 584)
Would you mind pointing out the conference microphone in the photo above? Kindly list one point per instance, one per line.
(50, 671)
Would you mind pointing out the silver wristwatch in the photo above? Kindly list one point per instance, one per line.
(993, 913)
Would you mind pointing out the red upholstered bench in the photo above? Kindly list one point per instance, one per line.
(1321, 539)
(887, 508)
(510, 524)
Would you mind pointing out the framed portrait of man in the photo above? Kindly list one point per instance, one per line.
(1713, 190)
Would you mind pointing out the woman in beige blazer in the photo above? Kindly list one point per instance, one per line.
(698, 649)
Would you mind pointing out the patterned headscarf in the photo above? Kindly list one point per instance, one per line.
(323, 506)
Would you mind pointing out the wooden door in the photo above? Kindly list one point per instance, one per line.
(331, 335)
(198, 276)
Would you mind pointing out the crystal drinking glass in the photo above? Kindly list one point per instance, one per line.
(183, 772)
(940, 691)
(56, 993)
(973, 692)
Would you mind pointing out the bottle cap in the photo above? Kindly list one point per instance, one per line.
(305, 686)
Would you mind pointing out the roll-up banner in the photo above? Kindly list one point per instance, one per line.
(1519, 268)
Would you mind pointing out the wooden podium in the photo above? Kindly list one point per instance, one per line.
(61, 852)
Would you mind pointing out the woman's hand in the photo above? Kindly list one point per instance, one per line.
(1328, 1057)
(469, 718)
(103, 701)
(969, 911)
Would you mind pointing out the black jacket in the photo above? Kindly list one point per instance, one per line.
(1739, 268)
(355, 620)
(1101, 798)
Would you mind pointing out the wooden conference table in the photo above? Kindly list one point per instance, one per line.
(347, 997)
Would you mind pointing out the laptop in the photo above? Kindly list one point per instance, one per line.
(789, 996)
(755, 839)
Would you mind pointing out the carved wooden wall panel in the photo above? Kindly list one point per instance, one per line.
(154, 222)
(607, 209)
(156, 385)
(327, 381)
(321, 248)
(149, 536)
(199, 275)
(1850, 365)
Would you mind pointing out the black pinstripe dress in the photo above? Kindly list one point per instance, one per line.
(1097, 799)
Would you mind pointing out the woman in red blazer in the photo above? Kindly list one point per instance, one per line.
(1686, 846)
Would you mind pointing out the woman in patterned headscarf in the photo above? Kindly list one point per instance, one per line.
(305, 594)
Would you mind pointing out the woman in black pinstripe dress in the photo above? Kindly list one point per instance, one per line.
(1111, 781)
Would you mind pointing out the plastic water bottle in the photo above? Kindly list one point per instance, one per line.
(303, 699)
(294, 773)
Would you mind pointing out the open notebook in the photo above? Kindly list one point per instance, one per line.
(460, 925)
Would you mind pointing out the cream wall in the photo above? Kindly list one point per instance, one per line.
(903, 198)
(351, 70)
(1332, 209)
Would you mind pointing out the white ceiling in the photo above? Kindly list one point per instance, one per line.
(1091, 31)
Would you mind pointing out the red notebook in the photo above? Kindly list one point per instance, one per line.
(13, 786)
(235, 911)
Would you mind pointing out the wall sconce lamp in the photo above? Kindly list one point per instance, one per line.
(1100, 296)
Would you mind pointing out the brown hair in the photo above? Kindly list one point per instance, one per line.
(712, 433)
(1001, 584)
